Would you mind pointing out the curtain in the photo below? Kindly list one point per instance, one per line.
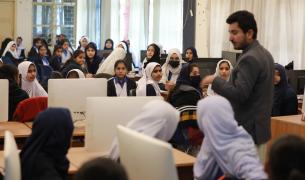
(281, 27)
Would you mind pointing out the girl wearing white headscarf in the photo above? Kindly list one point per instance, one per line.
(83, 42)
(157, 119)
(77, 72)
(148, 83)
(10, 52)
(29, 82)
(172, 66)
(226, 146)
(223, 70)
(118, 53)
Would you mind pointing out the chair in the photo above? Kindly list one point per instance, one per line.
(28, 109)
(188, 137)
(12, 167)
(145, 157)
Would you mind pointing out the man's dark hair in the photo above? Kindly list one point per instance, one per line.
(245, 21)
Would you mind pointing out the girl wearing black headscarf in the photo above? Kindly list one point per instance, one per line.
(16, 94)
(187, 90)
(108, 44)
(152, 55)
(92, 59)
(190, 54)
(43, 157)
(285, 100)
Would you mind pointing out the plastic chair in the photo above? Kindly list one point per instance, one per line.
(145, 157)
(12, 167)
(28, 109)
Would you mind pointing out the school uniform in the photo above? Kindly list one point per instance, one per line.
(115, 87)
(157, 119)
(21, 52)
(66, 55)
(11, 56)
(16, 95)
(42, 60)
(93, 65)
(146, 85)
(55, 63)
(33, 54)
(44, 154)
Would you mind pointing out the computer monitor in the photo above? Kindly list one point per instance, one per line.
(145, 157)
(72, 94)
(105, 113)
(207, 66)
(4, 99)
(296, 79)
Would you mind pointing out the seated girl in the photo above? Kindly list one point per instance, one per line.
(190, 54)
(157, 119)
(152, 55)
(148, 85)
(227, 148)
(76, 62)
(171, 68)
(285, 100)
(16, 94)
(29, 83)
(120, 84)
(43, 157)
(75, 74)
(10, 54)
(187, 90)
(92, 59)
(223, 70)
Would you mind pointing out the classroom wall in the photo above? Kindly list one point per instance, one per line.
(7, 18)
(201, 30)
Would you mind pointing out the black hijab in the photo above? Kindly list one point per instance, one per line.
(50, 138)
(108, 40)
(155, 57)
(194, 51)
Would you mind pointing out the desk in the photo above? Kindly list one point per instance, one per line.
(183, 161)
(19, 130)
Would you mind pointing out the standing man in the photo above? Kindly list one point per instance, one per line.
(250, 88)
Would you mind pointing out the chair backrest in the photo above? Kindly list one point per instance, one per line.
(145, 157)
(12, 167)
(72, 94)
(4, 99)
(28, 109)
(105, 113)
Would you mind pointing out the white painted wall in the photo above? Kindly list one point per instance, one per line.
(202, 30)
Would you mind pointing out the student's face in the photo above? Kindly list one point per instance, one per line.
(84, 42)
(120, 71)
(65, 45)
(73, 75)
(38, 44)
(108, 44)
(195, 72)
(189, 54)
(42, 51)
(224, 70)
(80, 59)
(277, 77)
(238, 38)
(13, 47)
(174, 57)
(90, 53)
(18, 41)
(150, 52)
(31, 73)
(58, 52)
(121, 46)
(156, 75)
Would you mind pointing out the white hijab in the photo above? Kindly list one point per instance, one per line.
(157, 119)
(8, 49)
(166, 67)
(147, 79)
(33, 88)
(79, 72)
(210, 91)
(226, 145)
(108, 65)
(80, 42)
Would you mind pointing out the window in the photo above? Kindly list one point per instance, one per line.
(54, 17)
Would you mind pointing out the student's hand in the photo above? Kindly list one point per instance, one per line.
(208, 80)
(169, 85)
(89, 75)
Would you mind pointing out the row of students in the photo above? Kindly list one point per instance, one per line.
(228, 151)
